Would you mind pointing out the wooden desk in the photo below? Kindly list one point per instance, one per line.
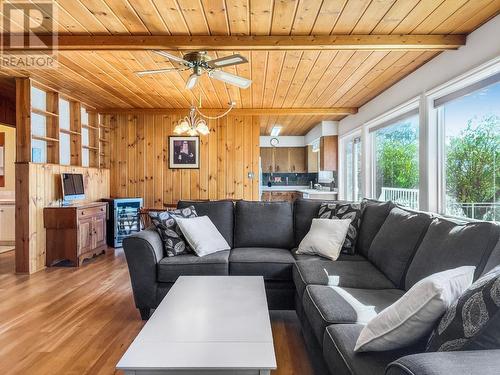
(75, 232)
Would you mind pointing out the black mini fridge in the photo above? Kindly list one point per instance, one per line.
(123, 219)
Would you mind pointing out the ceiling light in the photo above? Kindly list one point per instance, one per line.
(191, 82)
(275, 131)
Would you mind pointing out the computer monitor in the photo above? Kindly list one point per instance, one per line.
(72, 187)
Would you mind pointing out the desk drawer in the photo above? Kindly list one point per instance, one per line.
(91, 211)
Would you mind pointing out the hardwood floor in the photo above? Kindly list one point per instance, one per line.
(81, 321)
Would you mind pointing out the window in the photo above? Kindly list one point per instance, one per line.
(38, 125)
(85, 137)
(64, 132)
(469, 123)
(353, 170)
(395, 155)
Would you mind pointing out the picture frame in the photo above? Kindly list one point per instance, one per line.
(184, 152)
(2, 159)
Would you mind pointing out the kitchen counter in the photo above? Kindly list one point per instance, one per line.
(284, 188)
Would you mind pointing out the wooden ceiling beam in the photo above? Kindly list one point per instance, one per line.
(335, 111)
(250, 42)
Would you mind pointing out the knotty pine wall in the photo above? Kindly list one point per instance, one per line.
(139, 159)
(39, 186)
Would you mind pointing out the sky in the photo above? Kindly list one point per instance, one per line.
(480, 103)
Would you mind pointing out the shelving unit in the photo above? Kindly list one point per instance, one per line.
(63, 131)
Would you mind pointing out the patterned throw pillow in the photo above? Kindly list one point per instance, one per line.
(350, 211)
(473, 321)
(327, 211)
(170, 233)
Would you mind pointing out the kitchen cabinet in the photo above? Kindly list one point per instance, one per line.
(7, 224)
(328, 153)
(267, 160)
(312, 160)
(75, 232)
(283, 159)
(297, 159)
(276, 196)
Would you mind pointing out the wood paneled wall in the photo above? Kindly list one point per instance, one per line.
(39, 186)
(139, 160)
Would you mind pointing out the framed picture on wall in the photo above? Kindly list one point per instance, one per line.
(184, 152)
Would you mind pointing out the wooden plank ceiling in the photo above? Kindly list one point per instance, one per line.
(281, 79)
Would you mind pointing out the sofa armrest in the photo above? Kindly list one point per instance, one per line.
(478, 362)
(143, 251)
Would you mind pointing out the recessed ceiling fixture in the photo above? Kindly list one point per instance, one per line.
(199, 63)
(275, 131)
(193, 124)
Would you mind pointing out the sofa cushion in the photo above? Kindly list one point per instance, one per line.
(263, 224)
(494, 259)
(220, 212)
(396, 242)
(451, 244)
(373, 215)
(304, 210)
(325, 305)
(339, 355)
(350, 274)
(342, 257)
(271, 263)
(170, 268)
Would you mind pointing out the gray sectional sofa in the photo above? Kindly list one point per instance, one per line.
(395, 249)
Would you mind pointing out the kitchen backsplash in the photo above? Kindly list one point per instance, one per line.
(294, 179)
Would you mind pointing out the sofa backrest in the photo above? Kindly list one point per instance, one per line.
(263, 224)
(451, 243)
(304, 211)
(396, 242)
(493, 260)
(220, 212)
(373, 216)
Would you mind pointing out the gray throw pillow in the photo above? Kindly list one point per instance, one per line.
(473, 321)
(174, 242)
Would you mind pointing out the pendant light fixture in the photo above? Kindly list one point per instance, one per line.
(195, 124)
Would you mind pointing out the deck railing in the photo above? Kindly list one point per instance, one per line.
(409, 197)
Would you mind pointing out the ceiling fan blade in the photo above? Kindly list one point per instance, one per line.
(177, 59)
(155, 71)
(227, 61)
(192, 81)
(230, 78)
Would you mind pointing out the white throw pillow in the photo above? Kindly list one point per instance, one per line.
(202, 235)
(415, 314)
(325, 238)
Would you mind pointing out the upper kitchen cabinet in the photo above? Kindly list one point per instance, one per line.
(328, 153)
(312, 160)
(297, 159)
(266, 158)
(281, 160)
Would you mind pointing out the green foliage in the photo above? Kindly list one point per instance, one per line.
(473, 162)
(397, 156)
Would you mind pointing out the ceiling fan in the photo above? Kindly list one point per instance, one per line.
(199, 62)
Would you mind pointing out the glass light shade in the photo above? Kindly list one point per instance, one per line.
(192, 132)
(178, 130)
(202, 128)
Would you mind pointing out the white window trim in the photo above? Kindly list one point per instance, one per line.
(434, 155)
(368, 153)
(342, 177)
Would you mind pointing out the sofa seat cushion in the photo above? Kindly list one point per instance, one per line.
(271, 263)
(263, 224)
(325, 305)
(170, 268)
(351, 274)
(342, 257)
(338, 352)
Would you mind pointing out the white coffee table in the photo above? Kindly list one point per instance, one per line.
(206, 325)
